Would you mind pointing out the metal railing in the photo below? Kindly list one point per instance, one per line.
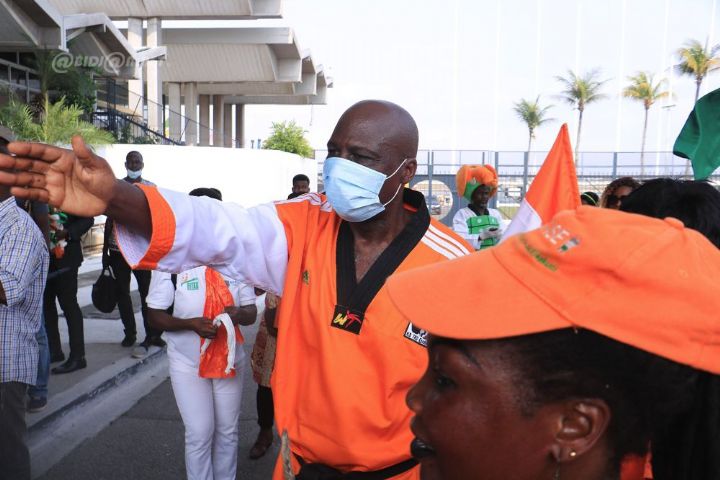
(436, 170)
(116, 95)
(127, 129)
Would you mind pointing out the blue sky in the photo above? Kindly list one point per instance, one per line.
(459, 65)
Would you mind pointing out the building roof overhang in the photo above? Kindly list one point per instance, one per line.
(90, 39)
(174, 9)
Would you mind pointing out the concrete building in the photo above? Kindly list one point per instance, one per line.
(187, 84)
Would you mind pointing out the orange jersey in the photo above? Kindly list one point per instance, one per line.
(346, 357)
(348, 411)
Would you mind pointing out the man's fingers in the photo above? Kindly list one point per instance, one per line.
(29, 179)
(10, 162)
(36, 151)
(22, 179)
(82, 151)
(37, 194)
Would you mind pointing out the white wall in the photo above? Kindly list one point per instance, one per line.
(244, 176)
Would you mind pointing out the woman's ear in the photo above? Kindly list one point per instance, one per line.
(581, 423)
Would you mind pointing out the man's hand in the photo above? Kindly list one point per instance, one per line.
(492, 232)
(204, 327)
(244, 315)
(76, 181)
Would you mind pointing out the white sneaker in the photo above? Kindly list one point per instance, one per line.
(140, 352)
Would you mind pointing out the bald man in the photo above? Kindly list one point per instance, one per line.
(345, 356)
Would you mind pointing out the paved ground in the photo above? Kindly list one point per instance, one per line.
(147, 442)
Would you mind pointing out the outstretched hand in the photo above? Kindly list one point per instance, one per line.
(76, 181)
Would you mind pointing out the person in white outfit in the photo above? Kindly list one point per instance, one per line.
(480, 225)
(210, 408)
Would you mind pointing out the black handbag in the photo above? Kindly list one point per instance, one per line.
(104, 297)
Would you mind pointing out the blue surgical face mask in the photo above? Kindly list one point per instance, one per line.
(134, 174)
(353, 190)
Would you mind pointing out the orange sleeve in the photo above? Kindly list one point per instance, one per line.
(163, 229)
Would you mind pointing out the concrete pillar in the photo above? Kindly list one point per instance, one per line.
(154, 82)
(175, 119)
(136, 88)
(227, 127)
(204, 120)
(191, 102)
(240, 125)
(218, 119)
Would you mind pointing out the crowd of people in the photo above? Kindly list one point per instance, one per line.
(390, 346)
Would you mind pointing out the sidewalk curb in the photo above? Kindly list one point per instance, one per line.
(84, 410)
(70, 400)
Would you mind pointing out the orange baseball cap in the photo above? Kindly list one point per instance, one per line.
(645, 282)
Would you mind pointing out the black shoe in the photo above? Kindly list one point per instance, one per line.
(70, 366)
(128, 341)
(36, 404)
(157, 341)
(57, 357)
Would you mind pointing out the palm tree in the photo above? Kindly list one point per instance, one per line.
(57, 125)
(697, 61)
(579, 91)
(644, 88)
(533, 115)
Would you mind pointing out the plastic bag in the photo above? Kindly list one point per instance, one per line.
(214, 357)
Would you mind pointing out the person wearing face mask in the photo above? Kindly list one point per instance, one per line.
(112, 256)
(345, 356)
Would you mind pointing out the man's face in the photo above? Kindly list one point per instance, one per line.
(468, 418)
(301, 187)
(361, 137)
(481, 196)
(134, 163)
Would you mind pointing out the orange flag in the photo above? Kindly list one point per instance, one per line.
(555, 188)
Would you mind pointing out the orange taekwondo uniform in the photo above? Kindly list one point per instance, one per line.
(346, 357)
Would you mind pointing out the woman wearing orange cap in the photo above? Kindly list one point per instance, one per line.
(566, 381)
(480, 225)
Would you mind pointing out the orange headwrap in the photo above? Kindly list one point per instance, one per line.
(469, 177)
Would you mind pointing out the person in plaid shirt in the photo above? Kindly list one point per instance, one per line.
(23, 270)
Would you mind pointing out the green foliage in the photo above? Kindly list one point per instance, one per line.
(580, 90)
(18, 117)
(145, 140)
(76, 85)
(697, 60)
(289, 137)
(57, 125)
(532, 114)
(644, 88)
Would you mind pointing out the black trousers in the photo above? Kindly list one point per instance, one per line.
(265, 407)
(14, 454)
(122, 282)
(64, 287)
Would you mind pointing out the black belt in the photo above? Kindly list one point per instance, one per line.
(318, 471)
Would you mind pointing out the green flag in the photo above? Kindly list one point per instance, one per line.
(699, 139)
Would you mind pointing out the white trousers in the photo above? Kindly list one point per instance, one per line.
(210, 409)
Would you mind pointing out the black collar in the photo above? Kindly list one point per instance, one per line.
(357, 296)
